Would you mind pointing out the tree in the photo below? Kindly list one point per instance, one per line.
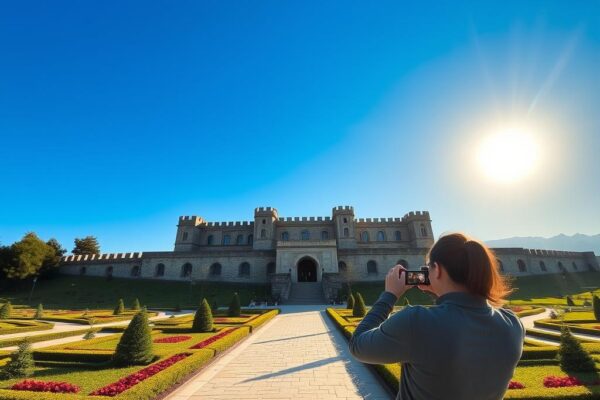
(39, 312)
(5, 310)
(89, 335)
(21, 362)
(136, 305)
(359, 310)
(87, 245)
(52, 260)
(25, 257)
(571, 356)
(234, 307)
(120, 308)
(203, 320)
(596, 301)
(350, 303)
(135, 346)
(570, 302)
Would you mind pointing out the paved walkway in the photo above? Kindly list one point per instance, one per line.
(297, 355)
(528, 323)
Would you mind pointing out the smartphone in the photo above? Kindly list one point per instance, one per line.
(420, 277)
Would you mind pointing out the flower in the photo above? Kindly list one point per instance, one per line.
(212, 339)
(41, 386)
(172, 339)
(561, 381)
(515, 385)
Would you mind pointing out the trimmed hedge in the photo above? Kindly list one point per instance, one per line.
(85, 356)
(261, 319)
(533, 311)
(574, 329)
(26, 326)
(44, 337)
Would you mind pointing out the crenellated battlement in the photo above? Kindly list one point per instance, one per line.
(78, 258)
(536, 252)
(378, 220)
(342, 209)
(230, 224)
(192, 220)
(421, 215)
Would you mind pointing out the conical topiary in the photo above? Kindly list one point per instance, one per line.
(350, 303)
(136, 305)
(571, 356)
(597, 308)
(203, 320)
(21, 362)
(120, 308)
(570, 301)
(89, 335)
(359, 309)
(39, 312)
(5, 310)
(234, 307)
(135, 346)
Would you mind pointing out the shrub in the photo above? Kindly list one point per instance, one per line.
(120, 308)
(359, 309)
(135, 346)
(21, 362)
(39, 312)
(570, 302)
(350, 303)
(5, 310)
(89, 335)
(203, 320)
(572, 357)
(234, 307)
(561, 381)
(136, 305)
(40, 386)
(597, 308)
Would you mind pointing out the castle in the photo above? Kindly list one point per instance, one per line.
(326, 251)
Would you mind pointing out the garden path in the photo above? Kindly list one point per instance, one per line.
(528, 323)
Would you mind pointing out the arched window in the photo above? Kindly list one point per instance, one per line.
(285, 236)
(500, 265)
(250, 239)
(263, 233)
(398, 235)
(371, 267)
(543, 266)
(324, 235)
(561, 267)
(215, 269)
(305, 235)
(423, 230)
(226, 239)
(403, 262)
(574, 266)
(264, 221)
(186, 270)
(239, 239)
(521, 265)
(270, 268)
(345, 220)
(380, 236)
(185, 236)
(364, 236)
(209, 240)
(160, 270)
(346, 232)
(82, 270)
(109, 272)
(342, 267)
(244, 269)
(135, 271)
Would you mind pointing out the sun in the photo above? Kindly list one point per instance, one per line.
(508, 155)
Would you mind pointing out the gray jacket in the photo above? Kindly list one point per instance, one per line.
(460, 348)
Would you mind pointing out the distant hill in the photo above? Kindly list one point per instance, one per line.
(577, 242)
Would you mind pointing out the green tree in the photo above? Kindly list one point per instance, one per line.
(235, 308)
(120, 308)
(350, 303)
(359, 310)
(135, 346)
(87, 245)
(52, 260)
(596, 308)
(571, 356)
(21, 362)
(89, 335)
(136, 305)
(5, 310)
(25, 257)
(570, 302)
(39, 312)
(203, 320)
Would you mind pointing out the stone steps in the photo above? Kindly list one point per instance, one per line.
(306, 293)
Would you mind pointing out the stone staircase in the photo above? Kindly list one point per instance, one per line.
(306, 293)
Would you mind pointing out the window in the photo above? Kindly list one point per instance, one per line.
(423, 230)
(250, 239)
(522, 266)
(543, 266)
(135, 270)
(215, 269)
(185, 236)
(364, 236)
(239, 239)
(345, 220)
(324, 235)
(186, 270)
(380, 236)
(403, 262)
(342, 266)
(346, 232)
(244, 269)
(371, 267)
(226, 239)
(561, 267)
(82, 270)
(500, 265)
(209, 240)
(160, 270)
(109, 272)
(270, 268)
(285, 236)
(398, 235)
(574, 266)
(263, 233)
(264, 221)
(305, 235)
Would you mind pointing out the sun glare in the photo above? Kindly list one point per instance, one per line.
(508, 155)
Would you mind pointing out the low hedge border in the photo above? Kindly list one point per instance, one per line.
(86, 356)
(26, 326)
(261, 319)
(44, 337)
(575, 329)
(527, 313)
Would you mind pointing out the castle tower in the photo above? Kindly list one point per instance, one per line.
(264, 228)
(419, 229)
(188, 235)
(343, 219)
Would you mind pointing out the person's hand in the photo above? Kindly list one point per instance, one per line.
(394, 281)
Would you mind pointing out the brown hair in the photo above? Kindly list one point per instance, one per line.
(473, 264)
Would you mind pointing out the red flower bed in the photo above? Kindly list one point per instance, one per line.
(516, 308)
(172, 339)
(40, 386)
(212, 339)
(131, 380)
(561, 381)
(516, 385)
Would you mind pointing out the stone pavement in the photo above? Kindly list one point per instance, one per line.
(297, 355)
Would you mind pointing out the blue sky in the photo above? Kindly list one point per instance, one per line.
(116, 118)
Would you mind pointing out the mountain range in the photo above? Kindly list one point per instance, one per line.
(577, 242)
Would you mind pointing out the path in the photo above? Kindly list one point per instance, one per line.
(528, 323)
(297, 355)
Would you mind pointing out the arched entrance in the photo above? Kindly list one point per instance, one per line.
(307, 270)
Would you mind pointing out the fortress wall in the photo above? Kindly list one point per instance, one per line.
(571, 261)
(295, 232)
(357, 264)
